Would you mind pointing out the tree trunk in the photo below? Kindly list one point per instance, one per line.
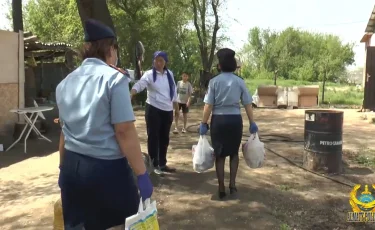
(200, 13)
(98, 10)
(324, 87)
(95, 9)
(274, 79)
(17, 15)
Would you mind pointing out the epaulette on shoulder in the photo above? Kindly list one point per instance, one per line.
(126, 73)
(238, 76)
(215, 75)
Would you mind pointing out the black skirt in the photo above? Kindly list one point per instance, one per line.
(96, 194)
(226, 134)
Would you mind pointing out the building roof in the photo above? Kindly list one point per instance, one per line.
(366, 37)
(40, 50)
(370, 28)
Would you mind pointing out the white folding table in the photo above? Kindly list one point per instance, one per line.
(30, 122)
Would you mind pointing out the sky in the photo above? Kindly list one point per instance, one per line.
(344, 18)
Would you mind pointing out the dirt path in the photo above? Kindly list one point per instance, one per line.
(277, 196)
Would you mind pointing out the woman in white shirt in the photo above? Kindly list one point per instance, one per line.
(160, 102)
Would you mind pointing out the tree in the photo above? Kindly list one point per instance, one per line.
(134, 17)
(59, 21)
(255, 47)
(98, 10)
(274, 53)
(17, 15)
(333, 59)
(54, 21)
(296, 54)
(206, 33)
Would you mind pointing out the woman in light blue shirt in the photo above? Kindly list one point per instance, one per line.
(224, 93)
(99, 139)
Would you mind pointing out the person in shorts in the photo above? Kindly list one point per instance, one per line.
(184, 91)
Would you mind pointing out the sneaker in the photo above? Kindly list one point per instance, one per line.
(157, 171)
(167, 169)
(175, 131)
(183, 130)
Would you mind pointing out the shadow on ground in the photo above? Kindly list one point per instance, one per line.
(277, 196)
(257, 205)
(28, 204)
(35, 148)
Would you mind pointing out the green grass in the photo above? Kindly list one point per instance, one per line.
(285, 227)
(366, 157)
(335, 94)
(366, 161)
(284, 187)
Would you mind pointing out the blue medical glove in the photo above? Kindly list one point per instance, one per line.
(203, 129)
(253, 128)
(145, 186)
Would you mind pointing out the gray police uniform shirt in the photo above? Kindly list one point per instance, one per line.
(225, 91)
(184, 90)
(91, 100)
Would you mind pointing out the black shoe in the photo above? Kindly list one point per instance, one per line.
(222, 195)
(232, 190)
(167, 169)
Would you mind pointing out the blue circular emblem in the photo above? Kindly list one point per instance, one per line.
(365, 198)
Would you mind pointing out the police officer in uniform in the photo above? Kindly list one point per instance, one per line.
(222, 100)
(99, 141)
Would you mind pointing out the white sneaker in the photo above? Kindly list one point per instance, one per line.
(157, 171)
(175, 131)
(183, 130)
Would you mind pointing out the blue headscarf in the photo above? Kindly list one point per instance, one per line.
(170, 79)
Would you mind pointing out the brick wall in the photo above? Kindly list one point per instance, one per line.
(9, 100)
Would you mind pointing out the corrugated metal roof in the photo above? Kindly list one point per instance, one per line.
(370, 28)
(46, 46)
(36, 46)
(32, 43)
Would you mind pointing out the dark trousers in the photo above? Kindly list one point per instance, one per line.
(158, 124)
(96, 194)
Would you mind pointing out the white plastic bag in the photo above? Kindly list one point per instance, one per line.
(145, 219)
(203, 155)
(254, 152)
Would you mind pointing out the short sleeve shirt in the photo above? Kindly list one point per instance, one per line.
(225, 92)
(184, 90)
(91, 100)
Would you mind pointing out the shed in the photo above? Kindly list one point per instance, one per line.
(368, 82)
(42, 72)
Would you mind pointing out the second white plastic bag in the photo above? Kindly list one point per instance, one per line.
(254, 152)
(203, 155)
(145, 219)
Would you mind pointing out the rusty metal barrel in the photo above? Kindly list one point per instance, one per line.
(323, 140)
